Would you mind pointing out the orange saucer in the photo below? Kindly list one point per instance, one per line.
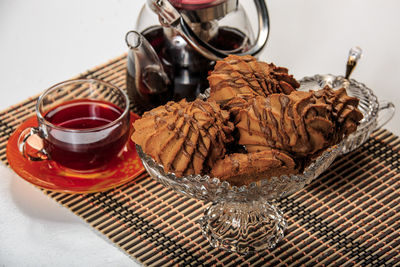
(51, 176)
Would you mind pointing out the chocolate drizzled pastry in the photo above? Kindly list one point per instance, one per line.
(243, 169)
(185, 137)
(302, 123)
(278, 130)
(245, 77)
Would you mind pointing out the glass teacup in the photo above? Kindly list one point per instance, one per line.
(82, 125)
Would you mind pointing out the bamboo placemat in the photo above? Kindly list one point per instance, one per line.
(348, 216)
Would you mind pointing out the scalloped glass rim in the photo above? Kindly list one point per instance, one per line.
(209, 188)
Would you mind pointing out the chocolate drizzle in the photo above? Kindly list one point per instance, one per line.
(185, 137)
(245, 77)
(302, 123)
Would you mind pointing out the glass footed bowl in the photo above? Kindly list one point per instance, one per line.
(244, 219)
(241, 219)
(376, 113)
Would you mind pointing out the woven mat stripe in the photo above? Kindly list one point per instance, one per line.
(185, 215)
(16, 108)
(380, 170)
(322, 183)
(94, 225)
(127, 223)
(8, 121)
(172, 193)
(138, 234)
(142, 244)
(298, 226)
(14, 119)
(107, 70)
(291, 245)
(300, 238)
(350, 237)
(343, 197)
(137, 210)
(359, 155)
(338, 168)
(302, 246)
(104, 69)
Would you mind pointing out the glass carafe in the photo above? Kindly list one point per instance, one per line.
(188, 36)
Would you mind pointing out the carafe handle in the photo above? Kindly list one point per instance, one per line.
(170, 17)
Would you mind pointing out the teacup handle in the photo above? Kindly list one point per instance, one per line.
(385, 113)
(30, 144)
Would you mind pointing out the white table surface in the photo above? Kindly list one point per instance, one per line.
(44, 42)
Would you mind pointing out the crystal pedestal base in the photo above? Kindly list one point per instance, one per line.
(244, 227)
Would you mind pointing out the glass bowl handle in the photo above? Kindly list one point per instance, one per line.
(385, 113)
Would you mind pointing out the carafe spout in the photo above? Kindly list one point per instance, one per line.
(144, 66)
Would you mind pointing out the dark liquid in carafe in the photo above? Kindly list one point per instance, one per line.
(141, 97)
(185, 82)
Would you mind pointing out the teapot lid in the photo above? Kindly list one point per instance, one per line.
(205, 10)
(195, 4)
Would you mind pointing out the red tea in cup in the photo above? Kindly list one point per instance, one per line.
(83, 125)
(95, 143)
